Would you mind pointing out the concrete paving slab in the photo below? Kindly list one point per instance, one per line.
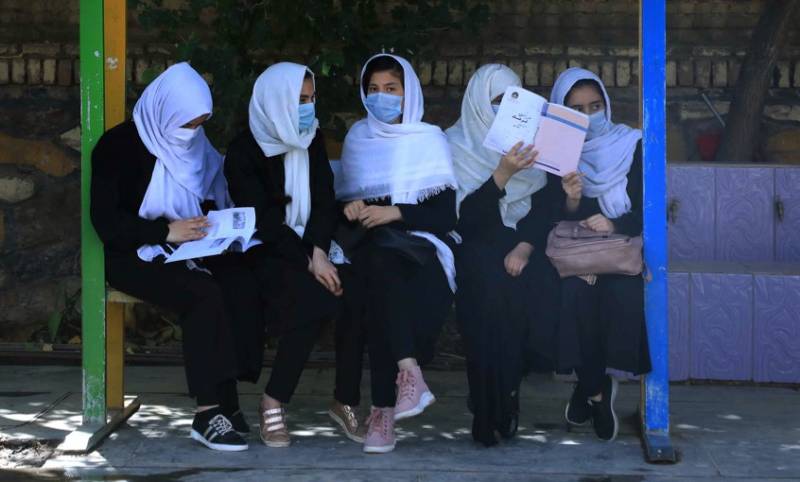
(758, 460)
(32, 415)
(722, 433)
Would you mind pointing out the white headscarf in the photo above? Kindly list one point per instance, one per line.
(185, 174)
(606, 159)
(408, 162)
(473, 163)
(274, 120)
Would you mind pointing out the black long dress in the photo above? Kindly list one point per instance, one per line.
(495, 310)
(221, 314)
(406, 303)
(603, 325)
(282, 260)
(295, 298)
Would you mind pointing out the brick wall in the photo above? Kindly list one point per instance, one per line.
(47, 64)
(51, 69)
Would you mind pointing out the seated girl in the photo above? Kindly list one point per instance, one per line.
(153, 178)
(280, 167)
(602, 321)
(398, 184)
(503, 222)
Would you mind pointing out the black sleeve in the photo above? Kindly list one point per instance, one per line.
(587, 207)
(536, 225)
(436, 214)
(248, 188)
(479, 211)
(631, 223)
(118, 228)
(322, 221)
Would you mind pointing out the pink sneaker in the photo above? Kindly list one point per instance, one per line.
(380, 431)
(413, 395)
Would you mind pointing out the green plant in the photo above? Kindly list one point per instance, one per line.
(69, 314)
(232, 40)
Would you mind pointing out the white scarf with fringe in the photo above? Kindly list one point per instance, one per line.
(407, 162)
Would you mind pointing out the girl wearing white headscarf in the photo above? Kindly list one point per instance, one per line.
(153, 178)
(503, 223)
(398, 184)
(279, 166)
(601, 318)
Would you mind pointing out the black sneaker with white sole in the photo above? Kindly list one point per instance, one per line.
(238, 421)
(214, 430)
(604, 419)
(578, 410)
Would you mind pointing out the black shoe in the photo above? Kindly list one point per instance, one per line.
(214, 430)
(511, 422)
(604, 418)
(238, 422)
(578, 410)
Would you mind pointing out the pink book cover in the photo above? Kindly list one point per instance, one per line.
(560, 138)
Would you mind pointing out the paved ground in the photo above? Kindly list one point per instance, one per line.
(722, 433)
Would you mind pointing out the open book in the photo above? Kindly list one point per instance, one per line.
(558, 132)
(231, 229)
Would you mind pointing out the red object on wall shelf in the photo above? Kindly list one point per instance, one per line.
(708, 143)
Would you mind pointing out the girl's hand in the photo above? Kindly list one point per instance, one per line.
(599, 223)
(353, 209)
(517, 259)
(185, 230)
(374, 216)
(515, 160)
(325, 272)
(573, 185)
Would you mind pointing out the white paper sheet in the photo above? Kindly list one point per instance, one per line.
(229, 226)
(556, 131)
(516, 120)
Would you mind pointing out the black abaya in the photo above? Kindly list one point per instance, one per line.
(496, 312)
(603, 326)
(294, 296)
(297, 303)
(220, 313)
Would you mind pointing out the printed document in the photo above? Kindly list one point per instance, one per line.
(556, 131)
(231, 229)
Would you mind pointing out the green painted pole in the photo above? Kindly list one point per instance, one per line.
(92, 263)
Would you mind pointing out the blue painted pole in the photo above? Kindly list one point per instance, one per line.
(655, 413)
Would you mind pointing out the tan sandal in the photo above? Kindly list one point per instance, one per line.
(347, 418)
(272, 422)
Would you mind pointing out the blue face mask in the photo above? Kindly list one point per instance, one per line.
(598, 125)
(386, 107)
(307, 114)
(495, 108)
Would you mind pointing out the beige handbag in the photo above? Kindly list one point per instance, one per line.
(578, 251)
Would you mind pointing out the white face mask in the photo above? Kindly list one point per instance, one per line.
(183, 136)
